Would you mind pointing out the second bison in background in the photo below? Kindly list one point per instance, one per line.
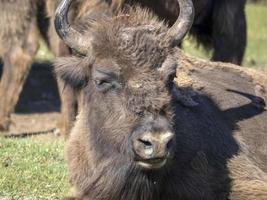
(21, 22)
(219, 24)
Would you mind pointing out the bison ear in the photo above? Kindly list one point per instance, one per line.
(73, 71)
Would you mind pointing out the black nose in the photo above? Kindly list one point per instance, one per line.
(149, 146)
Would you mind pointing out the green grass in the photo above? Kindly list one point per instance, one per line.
(256, 51)
(32, 169)
(43, 52)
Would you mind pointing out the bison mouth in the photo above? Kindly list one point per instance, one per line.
(155, 163)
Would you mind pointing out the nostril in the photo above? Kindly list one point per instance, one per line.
(146, 143)
(144, 148)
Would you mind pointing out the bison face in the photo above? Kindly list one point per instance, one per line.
(128, 104)
(129, 111)
(126, 75)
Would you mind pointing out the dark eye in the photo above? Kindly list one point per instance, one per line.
(105, 80)
(103, 85)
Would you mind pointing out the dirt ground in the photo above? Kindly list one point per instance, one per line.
(39, 103)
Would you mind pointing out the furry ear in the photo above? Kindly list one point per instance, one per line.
(73, 71)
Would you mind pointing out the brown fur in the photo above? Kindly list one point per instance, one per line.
(19, 42)
(218, 153)
(80, 10)
(218, 25)
(249, 181)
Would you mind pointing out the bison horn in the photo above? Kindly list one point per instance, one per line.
(68, 34)
(184, 22)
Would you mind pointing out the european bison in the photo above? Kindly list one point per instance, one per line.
(229, 41)
(22, 22)
(218, 25)
(141, 136)
(18, 45)
(18, 53)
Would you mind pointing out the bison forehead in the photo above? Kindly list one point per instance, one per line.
(142, 48)
(137, 49)
(146, 79)
(148, 103)
(130, 38)
(147, 95)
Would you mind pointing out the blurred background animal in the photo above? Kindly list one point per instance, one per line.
(22, 24)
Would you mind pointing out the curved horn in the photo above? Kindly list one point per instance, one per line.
(68, 34)
(184, 22)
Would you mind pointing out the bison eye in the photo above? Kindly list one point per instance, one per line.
(103, 85)
(105, 81)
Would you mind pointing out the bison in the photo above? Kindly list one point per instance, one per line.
(141, 136)
(18, 45)
(218, 25)
(22, 23)
(18, 53)
(228, 41)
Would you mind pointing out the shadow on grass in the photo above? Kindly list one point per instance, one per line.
(40, 92)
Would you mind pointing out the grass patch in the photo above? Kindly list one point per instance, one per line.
(32, 169)
(256, 52)
(43, 52)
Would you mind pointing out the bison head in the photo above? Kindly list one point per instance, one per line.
(125, 69)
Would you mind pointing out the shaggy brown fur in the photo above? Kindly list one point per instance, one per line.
(80, 10)
(126, 78)
(22, 22)
(218, 25)
(18, 45)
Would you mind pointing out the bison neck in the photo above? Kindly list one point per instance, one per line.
(194, 173)
(121, 182)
